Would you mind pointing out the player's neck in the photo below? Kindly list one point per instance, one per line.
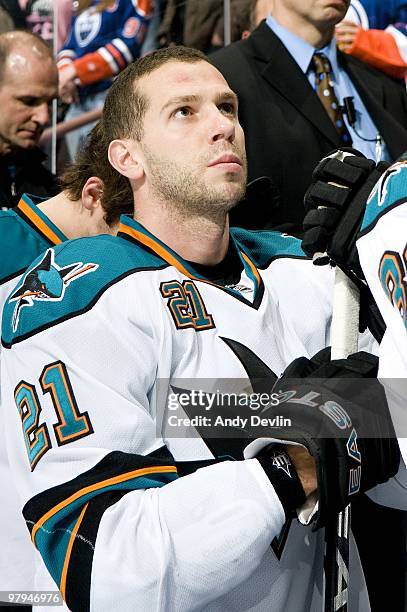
(67, 215)
(198, 239)
(76, 220)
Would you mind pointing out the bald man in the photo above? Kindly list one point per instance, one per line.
(28, 84)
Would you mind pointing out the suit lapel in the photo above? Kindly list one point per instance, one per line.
(282, 72)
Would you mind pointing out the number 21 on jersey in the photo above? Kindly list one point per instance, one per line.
(392, 274)
(71, 424)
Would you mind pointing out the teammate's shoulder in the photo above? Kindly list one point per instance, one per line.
(389, 192)
(265, 246)
(19, 245)
(67, 281)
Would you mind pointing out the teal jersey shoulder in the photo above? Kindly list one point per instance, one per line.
(25, 232)
(389, 192)
(68, 280)
(265, 246)
(19, 245)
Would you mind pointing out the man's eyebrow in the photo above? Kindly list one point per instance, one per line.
(227, 96)
(181, 100)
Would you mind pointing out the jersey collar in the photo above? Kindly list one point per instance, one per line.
(28, 211)
(134, 232)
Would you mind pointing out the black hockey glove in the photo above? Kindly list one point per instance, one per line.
(338, 411)
(333, 219)
(334, 212)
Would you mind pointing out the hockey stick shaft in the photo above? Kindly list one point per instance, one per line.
(344, 341)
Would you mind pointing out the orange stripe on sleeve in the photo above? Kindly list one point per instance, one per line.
(117, 56)
(99, 485)
(62, 586)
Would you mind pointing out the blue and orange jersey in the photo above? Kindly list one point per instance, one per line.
(102, 43)
(382, 38)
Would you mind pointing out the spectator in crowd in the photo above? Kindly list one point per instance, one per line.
(200, 24)
(240, 24)
(105, 36)
(28, 83)
(376, 32)
(11, 16)
(258, 10)
(40, 19)
(291, 82)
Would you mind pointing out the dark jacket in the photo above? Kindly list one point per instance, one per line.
(287, 129)
(25, 173)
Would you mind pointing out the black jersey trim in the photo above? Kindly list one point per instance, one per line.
(79, 573)
(74, 513)
(10, 277)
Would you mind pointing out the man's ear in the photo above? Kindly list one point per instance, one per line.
(123, 156)
(92, 193)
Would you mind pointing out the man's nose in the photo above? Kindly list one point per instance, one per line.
(223, 127)
(41, 114)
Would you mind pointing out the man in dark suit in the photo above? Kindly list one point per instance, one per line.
(28, 84)
(288, 129)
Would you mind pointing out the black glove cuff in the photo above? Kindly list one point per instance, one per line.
(283, 476)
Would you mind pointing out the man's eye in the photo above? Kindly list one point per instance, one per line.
(228, 107)
(184, 111)
(29, 101)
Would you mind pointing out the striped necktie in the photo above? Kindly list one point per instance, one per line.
(326, 93)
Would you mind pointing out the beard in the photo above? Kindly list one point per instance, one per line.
(187, 194)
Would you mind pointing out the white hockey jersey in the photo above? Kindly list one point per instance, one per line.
(382, 248)
(89, 334)
(25, 232)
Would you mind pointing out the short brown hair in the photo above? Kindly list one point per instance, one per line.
(20, 39)
(125, 105)
(92, 160)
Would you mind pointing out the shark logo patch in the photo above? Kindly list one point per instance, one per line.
(46, 282)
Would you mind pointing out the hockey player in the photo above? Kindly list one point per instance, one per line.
(336, 189)
(95, 329)
(362, 229)
(26, 231)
